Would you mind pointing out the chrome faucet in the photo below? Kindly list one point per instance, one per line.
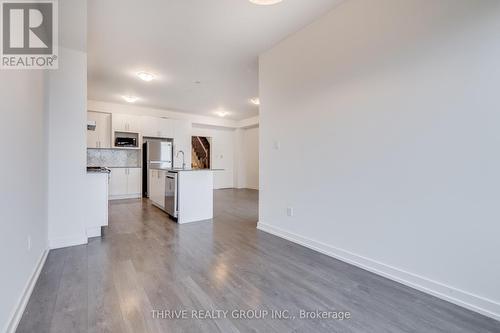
(183, 159)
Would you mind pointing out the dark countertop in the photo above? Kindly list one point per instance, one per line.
(98, 170)
(184, 170)
(116, 167)
(124, 167)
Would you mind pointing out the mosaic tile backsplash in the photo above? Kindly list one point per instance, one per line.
(114, 158)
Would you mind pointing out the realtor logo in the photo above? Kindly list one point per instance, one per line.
(29, 34)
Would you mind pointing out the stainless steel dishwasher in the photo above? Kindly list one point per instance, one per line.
(171, 192)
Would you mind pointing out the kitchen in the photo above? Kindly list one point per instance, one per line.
(130, 157)
(396, 99)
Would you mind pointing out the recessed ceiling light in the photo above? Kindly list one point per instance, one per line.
(145, 76)
(265, 2)
(255, 101)
(222, 113)
(130, 99)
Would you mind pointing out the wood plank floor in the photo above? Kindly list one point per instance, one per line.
(146, 262)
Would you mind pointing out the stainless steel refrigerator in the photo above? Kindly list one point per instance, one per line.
(155, 153)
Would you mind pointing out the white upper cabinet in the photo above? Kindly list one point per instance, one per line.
(126, 123)
(100, 135)
(126, 126)
(155, 127)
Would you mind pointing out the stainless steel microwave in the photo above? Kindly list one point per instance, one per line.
(125, 142)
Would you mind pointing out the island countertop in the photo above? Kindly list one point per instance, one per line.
(183, 170)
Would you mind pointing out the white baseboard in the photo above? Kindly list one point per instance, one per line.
(125, 196)
(456, 296)
(57, 243)
(93, 232)
(28, 289)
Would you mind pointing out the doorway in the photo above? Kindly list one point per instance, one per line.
(201, 152)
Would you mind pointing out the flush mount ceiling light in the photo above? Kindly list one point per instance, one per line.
(265, 2)
(130, 99)
(255, 101)
(145, 76)
(222, 113)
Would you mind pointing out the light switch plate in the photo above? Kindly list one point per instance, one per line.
(289, 211)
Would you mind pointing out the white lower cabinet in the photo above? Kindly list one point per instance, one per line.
(125, 183)
(134, 183)
(157, 187)
(117, 182)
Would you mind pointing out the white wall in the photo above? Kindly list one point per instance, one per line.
(100, 106)
(389, 112)
(23, 179)
(67, 103)
(251, 157)
(222, 145)
(43, 163)
(247, 158)
(67, 150)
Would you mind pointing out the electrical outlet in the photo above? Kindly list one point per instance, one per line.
(29, 243)
(289, 211)
(277, 145)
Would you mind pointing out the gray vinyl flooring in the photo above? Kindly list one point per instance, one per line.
(147, 265)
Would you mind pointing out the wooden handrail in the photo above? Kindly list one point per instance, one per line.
(202, 146)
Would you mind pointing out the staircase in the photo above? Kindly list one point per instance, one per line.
(200, 152)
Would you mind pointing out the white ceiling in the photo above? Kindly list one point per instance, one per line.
(216, 42)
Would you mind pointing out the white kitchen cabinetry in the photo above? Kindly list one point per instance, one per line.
(96, 213)
(155, 127)
(126, 126)
(126, 123)
(157, 187)
(100, 136)
(182, 141)
(125, 183)
(134, 181)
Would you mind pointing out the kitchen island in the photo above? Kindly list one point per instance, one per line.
(185, 194)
